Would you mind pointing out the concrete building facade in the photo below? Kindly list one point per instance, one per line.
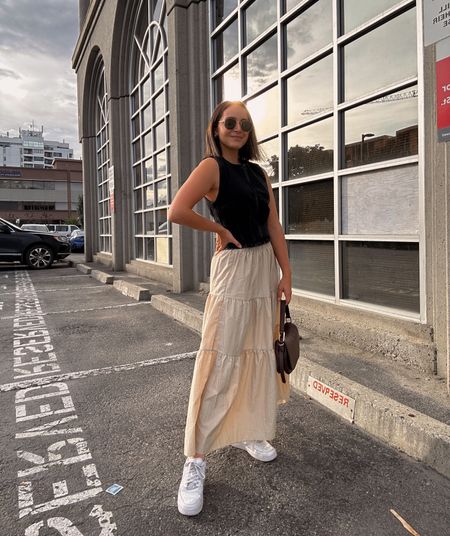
(31, 150)
(343, 96)
(41, 195)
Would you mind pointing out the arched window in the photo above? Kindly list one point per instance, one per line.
(150, 135)
(102, 163)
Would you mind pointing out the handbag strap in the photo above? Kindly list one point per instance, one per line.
(288, 314)
(283, 310)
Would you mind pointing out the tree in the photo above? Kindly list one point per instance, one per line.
(309, 160)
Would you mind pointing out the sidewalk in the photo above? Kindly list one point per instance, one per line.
(405, 408)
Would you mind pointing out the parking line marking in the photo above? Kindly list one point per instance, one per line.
(100, 285)
(60, 276)
(94, 372)
(134, 304)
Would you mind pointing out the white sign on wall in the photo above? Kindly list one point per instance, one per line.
(436, 21)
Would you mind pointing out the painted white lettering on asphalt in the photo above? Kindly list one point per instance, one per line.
(45, 410)
(66, 528)
(54, 457)
(42, 485)
(35, 509)
(49, 429)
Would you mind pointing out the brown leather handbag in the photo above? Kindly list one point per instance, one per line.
(287, 346)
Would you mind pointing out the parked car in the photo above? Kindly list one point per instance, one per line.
(35, 227)
(76, 240)
(36, 249)
(62, 229)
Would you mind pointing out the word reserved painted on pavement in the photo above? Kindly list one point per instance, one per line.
(55, 466)
(330, 397)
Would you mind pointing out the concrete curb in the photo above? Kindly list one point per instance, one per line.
(179, 311)
(125, 287)
(103, 277)
(414, 433)
(400, 426)
(83, 268)
(131, 290)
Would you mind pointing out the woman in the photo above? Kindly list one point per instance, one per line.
(235, 388)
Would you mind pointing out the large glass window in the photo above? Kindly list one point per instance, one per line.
(381, 57)
(310, 150)
(228, 86)
(312, 263)
(381, 202)
(309, 208)
(385, 273)
(382, 129)
(262, 65)
(309, 31)
(271, 158)
(226, 44)
(258, 17)
(102, 144)
(223, 8)
(151, 138)
(265, 111)
(310, 92)
(336, 116)
(356, 12)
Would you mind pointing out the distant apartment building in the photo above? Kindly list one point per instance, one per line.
(41, 195)
(31, 150)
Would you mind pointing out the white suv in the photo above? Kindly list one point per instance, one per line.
(62, 229)
(35, 227)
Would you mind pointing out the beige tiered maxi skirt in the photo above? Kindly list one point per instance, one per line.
(235, 387)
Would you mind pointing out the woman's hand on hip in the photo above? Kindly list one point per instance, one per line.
(223, 238)
(285, 286)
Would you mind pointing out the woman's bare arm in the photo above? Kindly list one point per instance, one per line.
(201, 182)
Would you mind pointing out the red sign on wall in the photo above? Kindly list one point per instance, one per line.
(443, 98)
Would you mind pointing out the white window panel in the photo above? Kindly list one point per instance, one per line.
(381, 202)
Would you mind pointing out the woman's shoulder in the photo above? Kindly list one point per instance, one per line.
(209, 160)
(209, 164)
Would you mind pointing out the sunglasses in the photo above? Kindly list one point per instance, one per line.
(230, 123)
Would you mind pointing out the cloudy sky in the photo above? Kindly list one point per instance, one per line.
(37, 83)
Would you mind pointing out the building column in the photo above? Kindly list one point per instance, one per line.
(437, 221)
(188, 64)
(89, 197)
(120, 143)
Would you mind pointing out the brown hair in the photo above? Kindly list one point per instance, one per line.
(250, 151)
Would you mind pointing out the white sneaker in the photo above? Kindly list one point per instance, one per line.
(190, 492)
(260, 450)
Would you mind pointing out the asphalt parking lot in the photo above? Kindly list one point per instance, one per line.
(93, 392)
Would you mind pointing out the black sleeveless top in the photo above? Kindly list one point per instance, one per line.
(242, 203)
